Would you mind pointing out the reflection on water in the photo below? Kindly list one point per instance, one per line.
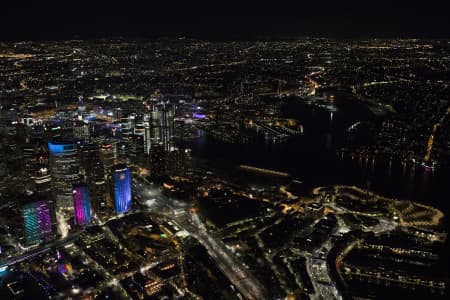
(410, 184)
(425, 180)
(390, 168)
(313, 158)
(317, 164)
(329, 142)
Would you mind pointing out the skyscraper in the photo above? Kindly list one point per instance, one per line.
(180, 163)
(128, 124)
(97, 190)
(108, 157)
(29, 158)
(88, 155)
(166, 116)
(159, 126)
(121, 184)
(158, 161)
(92, 168)
(42, 182)
(80, 131)
(37, 221)
(81, 205)
(153, 119)
(147, 133)
(64, 171)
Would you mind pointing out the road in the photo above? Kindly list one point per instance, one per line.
(230, 266)
(40, 250)
(234, 270)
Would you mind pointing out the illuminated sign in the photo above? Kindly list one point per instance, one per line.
(198, 116)
(60, 148)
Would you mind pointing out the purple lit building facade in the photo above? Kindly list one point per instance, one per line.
(199, 116)
(37, 222)
(81, 205)
(121, 181)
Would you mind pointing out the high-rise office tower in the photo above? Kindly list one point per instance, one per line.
(80, 131)
(158, 161)
(64, 169)
(92, 168)
(37, 220)
(14, 159)
(37, 170)
(125, 127)
(97, 190)
(139, 136)
(121, 188)
(108, 157)
(139, 128)
(81, 205)
(180, 163)
(42, 182)
(159, 127)
(155, 133)
(147, 133)
(29, 158)
(128, 124)
(88, 155)
(166, 124)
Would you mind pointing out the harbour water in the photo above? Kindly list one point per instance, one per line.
(314, 159)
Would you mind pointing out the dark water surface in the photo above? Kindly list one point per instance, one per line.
(313, 158)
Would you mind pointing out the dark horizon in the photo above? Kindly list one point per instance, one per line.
(228, 21)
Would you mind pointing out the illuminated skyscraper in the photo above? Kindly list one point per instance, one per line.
(64, 171)
(81, 205)
(121, 184)
(139, 137)
(29, 158)
(180, 163)
(147, 133)
(88, 155)
(108, 157)
(91, 167)
(97, 190)
(166, 124)
(155, 134)
(139, 128)
(159, 127)
(80, 131)
(158, 161)
(43, 182)
(128, 124)
(37, 221)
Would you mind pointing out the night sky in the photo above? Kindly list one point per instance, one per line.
(223, 19)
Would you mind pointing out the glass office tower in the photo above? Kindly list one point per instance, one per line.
(121, 183)
(64, 169)
(37, 221)
(81, 205)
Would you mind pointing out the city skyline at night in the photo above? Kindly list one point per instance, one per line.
(224, 150)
